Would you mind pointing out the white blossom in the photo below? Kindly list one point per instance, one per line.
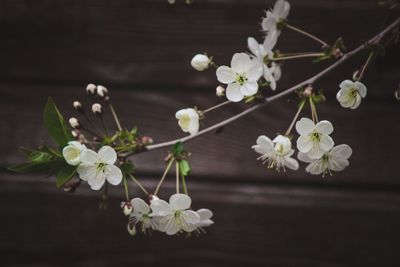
(77, 105)
(220, 91)
(72, 152)
(200, 62)
(97, 109)
(73, 122)
(96, 168)
(350, 94)
(91, 88)
(188, 120)
(277, 14)
(101, 91)
(334, 160)
(241, 77)
(277, 153)
(175, 216)
(205, 217)
(314, 138)
(141, 214)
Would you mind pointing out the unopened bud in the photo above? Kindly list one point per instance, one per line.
(91, 89)
(146, 140)
(220, 91)
(131, 229)
(74, 122)
(97, 109)
(308, 91)
(102, 91)
(126, 208)
(200, 62)
(75, 134)
(77, 105)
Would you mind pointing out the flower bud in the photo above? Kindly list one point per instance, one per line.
(308, 91)
(97, 109)
(74, 122)
(220, 91)
(102, 91)
(131, 229)
(147, 140)
(77, 105)
(75, 133)
(126, 208)
(91, 89)
(200, 62)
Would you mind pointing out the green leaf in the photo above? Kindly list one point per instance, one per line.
(32, 167)
(37, 155)
(57, 127)
(65, 174)
(177, 149)
(184, 167)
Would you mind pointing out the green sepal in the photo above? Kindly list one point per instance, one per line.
(184, 167)
(65, 174)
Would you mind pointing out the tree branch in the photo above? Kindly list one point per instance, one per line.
(278, 96)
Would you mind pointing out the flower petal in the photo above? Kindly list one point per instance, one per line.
(326, 142)
(113, 174)
(97, 182)
(291, 163)
(324, 127)
(241, 62)
(140, 206)
(225, 75)
(342, 151)
(107, 155)
(180, 201)
(160, 207)
(362, 89)
(304, 126)
(357, 102)
(86, 172)
(254, 71)
(304, 143)
(347, 84)
(205, 214)
(249, 88)
(89, 157)
(191, 217)
(304, 157)
(233, 92)
(264, 145)
(316, 167)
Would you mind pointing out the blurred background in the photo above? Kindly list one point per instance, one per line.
(141, 51)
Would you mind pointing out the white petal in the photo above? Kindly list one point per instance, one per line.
(180, 201)
(113, 174)
(89, 157)
(270, 40)
(107, 155)
(86, 172)
(315, 167)
(342, 151)
(160, 207)
(240, 63)
(225, 75)
(233, 92)
(264, 145)
(171, 228)
(357, 102)
(291, 163)
(316, 152)
(255, 71)
(304, 157)
(205, 214)
(324, 127)
(191, 217)
(304, 143)
(97, 182)
(286, 10)
(338, 164)
(249, 88)
(362, 90)
(71, 155)
(139, 205)
(326, 142)
(269, 22)
(305, 126)
(253, 46)
(347, 84)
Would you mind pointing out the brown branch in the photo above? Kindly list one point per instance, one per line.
(280, 95)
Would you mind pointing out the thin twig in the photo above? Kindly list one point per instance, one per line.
(216, 106)
(138, 184)
(306, 34)
(164, 175)
(278, 96)
(297, 56)
(114, 114)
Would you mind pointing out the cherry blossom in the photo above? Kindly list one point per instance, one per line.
(350, 94)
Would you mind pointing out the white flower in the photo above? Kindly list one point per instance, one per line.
(73, 122)
(277, 14)
(188, 120)
(200, 62)
(96, 168)
(91, 89)
(175, 216)
(350, 94)
(334, 160)
(97, 109)
(261, 52)
(77, 105)
(220, 91)
(314, 138)
(205, 217)
(241, 77)
(276, 153)
(141, 214)
(72, 152)
(101, 91)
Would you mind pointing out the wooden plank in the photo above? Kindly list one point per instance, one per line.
(227, 155)
(255, 226)
(117, 43)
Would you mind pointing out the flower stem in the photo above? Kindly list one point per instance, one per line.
(307, 34)
(298, 55)
(216, 106)
(313, 110)
(164, 175)
(177, 176)
(114, 114)
(184, 184)
(126, 189)
(365, 66)
(104, 125)
(138, 184)
(296, 116)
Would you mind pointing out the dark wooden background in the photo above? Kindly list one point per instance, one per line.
(141, 51)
